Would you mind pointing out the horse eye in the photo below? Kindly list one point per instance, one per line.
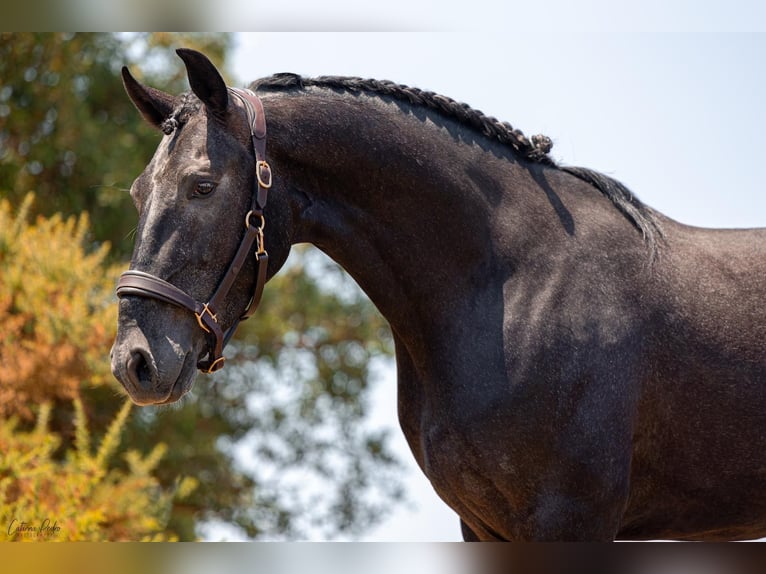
(204, 188)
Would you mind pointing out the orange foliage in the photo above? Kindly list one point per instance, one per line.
(57, 321)
(57, 311)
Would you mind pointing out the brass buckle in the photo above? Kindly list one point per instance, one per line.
(259, 165)
(259, 230)
(261, 245)
(212, 368)
(205, 309)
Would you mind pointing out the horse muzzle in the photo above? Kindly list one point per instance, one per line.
(152, 376)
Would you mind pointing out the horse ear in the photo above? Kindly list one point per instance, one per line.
(155, 105)
(205, 81)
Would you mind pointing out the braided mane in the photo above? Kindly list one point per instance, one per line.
(534, 149)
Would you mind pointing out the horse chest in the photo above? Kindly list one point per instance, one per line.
(445, 460)
(462, 462)
(515, 461)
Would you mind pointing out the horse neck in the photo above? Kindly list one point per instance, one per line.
(399, 199)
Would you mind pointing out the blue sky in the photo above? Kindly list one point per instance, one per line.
(678, 117)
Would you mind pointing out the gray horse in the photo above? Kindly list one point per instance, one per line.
(572, 365)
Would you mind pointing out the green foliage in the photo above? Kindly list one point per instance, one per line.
(67, 129)
(82, 496)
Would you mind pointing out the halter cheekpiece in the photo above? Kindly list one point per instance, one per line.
(147, 285)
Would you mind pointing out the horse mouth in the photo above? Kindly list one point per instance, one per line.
(177, 390)
(145, 382)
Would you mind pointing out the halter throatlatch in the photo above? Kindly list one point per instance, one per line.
(147, 285)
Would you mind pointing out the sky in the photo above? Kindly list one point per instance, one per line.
(546, 17)
(678, 117)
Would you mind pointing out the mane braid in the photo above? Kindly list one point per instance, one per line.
(534, 149)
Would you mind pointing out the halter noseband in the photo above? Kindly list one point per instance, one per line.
(147, 285)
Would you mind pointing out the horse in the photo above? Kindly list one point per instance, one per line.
(571, 363)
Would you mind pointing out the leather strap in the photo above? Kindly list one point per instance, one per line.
(137, 283)
(143, 284)
(257, 117)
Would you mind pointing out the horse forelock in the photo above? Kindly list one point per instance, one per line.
(187, 106)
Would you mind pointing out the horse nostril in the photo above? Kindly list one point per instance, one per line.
(139, 370)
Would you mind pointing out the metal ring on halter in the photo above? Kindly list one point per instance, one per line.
(247, 220)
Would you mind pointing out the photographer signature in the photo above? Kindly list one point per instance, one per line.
(22, 529)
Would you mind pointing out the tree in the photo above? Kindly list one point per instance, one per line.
(56, 317)
(55, 310)
(293, 397)
(68, 132)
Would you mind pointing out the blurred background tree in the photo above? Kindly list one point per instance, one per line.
(66, 129)
(276, 442)
(57, 317)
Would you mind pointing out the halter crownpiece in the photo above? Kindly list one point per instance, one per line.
(141, 284)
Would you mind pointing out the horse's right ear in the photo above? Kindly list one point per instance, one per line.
(155, 105)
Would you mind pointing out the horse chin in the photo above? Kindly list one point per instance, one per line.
(183, 384)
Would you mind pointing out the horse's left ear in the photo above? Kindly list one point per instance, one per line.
(205, 81)
(155, 106)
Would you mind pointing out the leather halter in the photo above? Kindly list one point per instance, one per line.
(147, 285)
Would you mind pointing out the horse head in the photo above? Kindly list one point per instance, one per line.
(199, 258)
